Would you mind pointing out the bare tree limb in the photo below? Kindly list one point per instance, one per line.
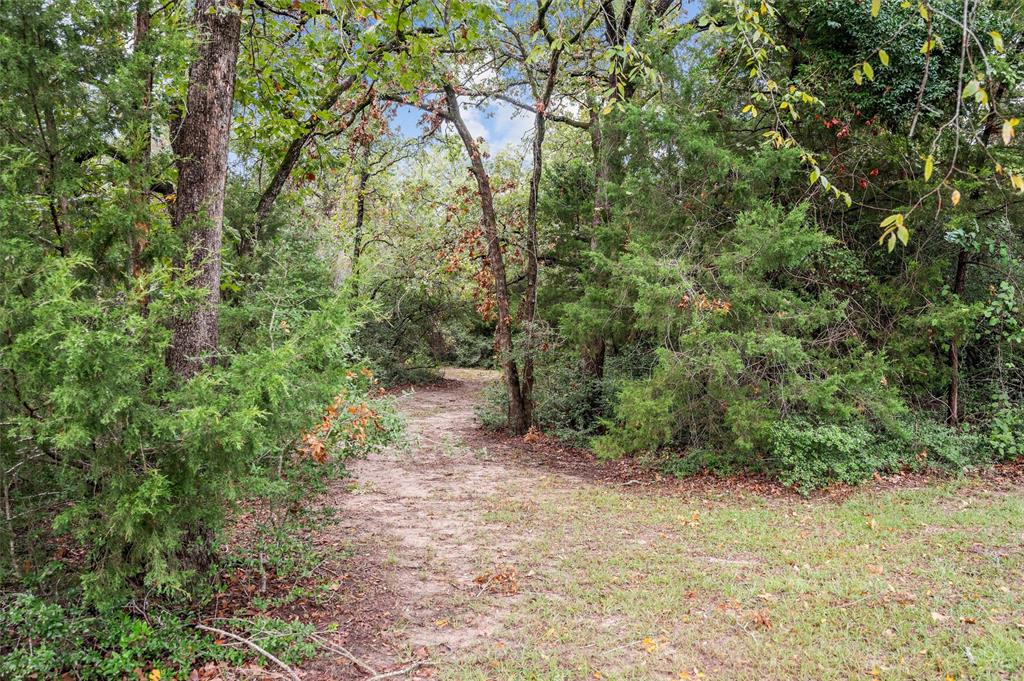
(258, 649)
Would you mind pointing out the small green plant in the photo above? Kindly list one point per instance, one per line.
(1005, 438)
(491, 410)
(809, 456)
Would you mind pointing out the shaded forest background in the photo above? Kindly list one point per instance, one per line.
(775, 238)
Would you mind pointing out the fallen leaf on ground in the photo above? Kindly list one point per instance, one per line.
(762, 619)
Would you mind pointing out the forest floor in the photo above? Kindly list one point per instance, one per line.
(462, 554)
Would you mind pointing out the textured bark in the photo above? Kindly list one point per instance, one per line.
(593, 350)
(357, 232)
(517, 423)
(141, 153)
(529, 307)
(201, 145)
(959, 281)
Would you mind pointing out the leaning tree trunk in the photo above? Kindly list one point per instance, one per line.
(201, 145)
(290, 159)
(517, 416)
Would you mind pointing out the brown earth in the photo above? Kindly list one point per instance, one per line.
(418, 510)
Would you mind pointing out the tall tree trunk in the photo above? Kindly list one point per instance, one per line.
(960, 280)
(517, 423)
(357, 232)
(592, 352)
(140, 155)
(606, 142)
(528, 311)
(201, 145)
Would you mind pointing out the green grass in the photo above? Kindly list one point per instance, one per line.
(910, 584)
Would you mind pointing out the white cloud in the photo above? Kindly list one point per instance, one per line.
(474, 119)
(500, 124)
(566, 106)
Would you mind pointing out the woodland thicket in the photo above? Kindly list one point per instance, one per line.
(775, 237)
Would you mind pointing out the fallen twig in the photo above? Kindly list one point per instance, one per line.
(869, 597)
(622, 647)
(341, 650)
(258, 649)
(401, 672)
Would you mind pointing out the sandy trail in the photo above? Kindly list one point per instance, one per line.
(421, 507)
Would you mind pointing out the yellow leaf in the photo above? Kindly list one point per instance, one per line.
(923, 10)
(876, 6)
(1008, 131)
(955, 197)
(894, 219)
(929, 166)
(903, 234)
(154, 675)
(868, 71)
(858, 77)
(997, 40)
(883, 57)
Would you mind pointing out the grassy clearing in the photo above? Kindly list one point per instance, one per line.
(908, 584)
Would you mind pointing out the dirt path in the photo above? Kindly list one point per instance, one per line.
(422, 508)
